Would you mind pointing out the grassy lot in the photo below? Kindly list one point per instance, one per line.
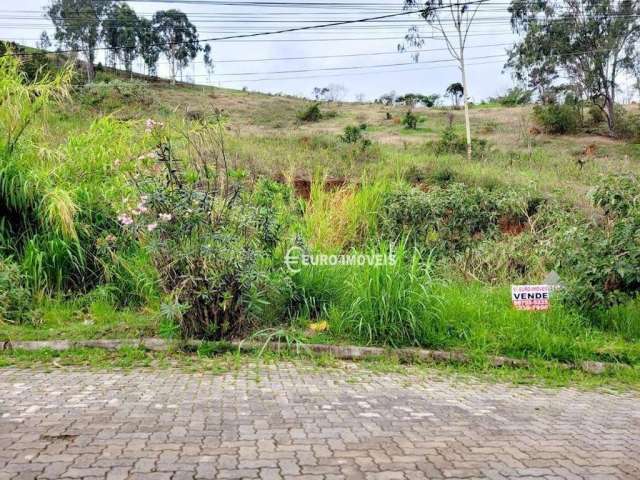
(464, 231)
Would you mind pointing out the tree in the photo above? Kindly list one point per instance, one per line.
(589, 41)
(442, 16)
(388, 99)
(413, 99)
(77, 24)
(208, 60)
(44, 42)
(320, 92)
(429, 100)
(456, 92)
(120, 33)
(178, 37)
(148, 42)
(334, 92)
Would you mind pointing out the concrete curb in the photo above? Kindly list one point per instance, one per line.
(343, 352)
(153, 344)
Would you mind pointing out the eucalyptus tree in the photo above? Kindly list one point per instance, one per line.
(149, 45)
(78, 26)
(589, 41)
(456, 92)
(178, 39)
(119, 31)
(441, 16)
(208, 60)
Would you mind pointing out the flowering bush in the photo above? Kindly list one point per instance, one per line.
(210, 237)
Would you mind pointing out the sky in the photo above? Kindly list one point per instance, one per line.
(252, 62)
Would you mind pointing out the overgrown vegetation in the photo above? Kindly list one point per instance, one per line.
(181, 227)
(311, 114)
(114, 93)
(513, 97)
(211, 239)
(410, 120)
(558, 118)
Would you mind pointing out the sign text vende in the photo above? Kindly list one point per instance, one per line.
(530, 297)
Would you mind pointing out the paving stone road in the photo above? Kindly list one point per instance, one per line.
(296, 422)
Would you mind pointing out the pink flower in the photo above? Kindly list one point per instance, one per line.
(165, 217)
(151, 124)
(151, 227)
(125, 219)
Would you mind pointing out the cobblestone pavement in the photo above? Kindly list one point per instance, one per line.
(296, 422)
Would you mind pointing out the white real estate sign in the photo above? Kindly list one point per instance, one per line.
(530, 297)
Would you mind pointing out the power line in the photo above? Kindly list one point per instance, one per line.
(331, 39)
(342, 75)
(277, 32)
(349, 55)
(346, 55)
(353, 67)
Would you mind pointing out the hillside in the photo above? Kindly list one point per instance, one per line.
(272, 138)
(132, 208)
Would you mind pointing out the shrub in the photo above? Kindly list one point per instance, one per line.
(627, 124)
(451, 142)
(514, 96)
(415, 175)
(617, 194)
(15, 298)
(352, 134)
(114, 93)
(596, 115)
(211, 239)
(521, 256)
(410, 120)
(558, 119)
(603, 261)
(311, 114)
(452, 218)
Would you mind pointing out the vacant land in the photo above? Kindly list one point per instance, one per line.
(135, 209)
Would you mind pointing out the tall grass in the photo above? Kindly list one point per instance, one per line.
(391, 304)
(623, 319)
(59, 198)
(343, 219)
(482, 319)
(317, 289)
(22, 101)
